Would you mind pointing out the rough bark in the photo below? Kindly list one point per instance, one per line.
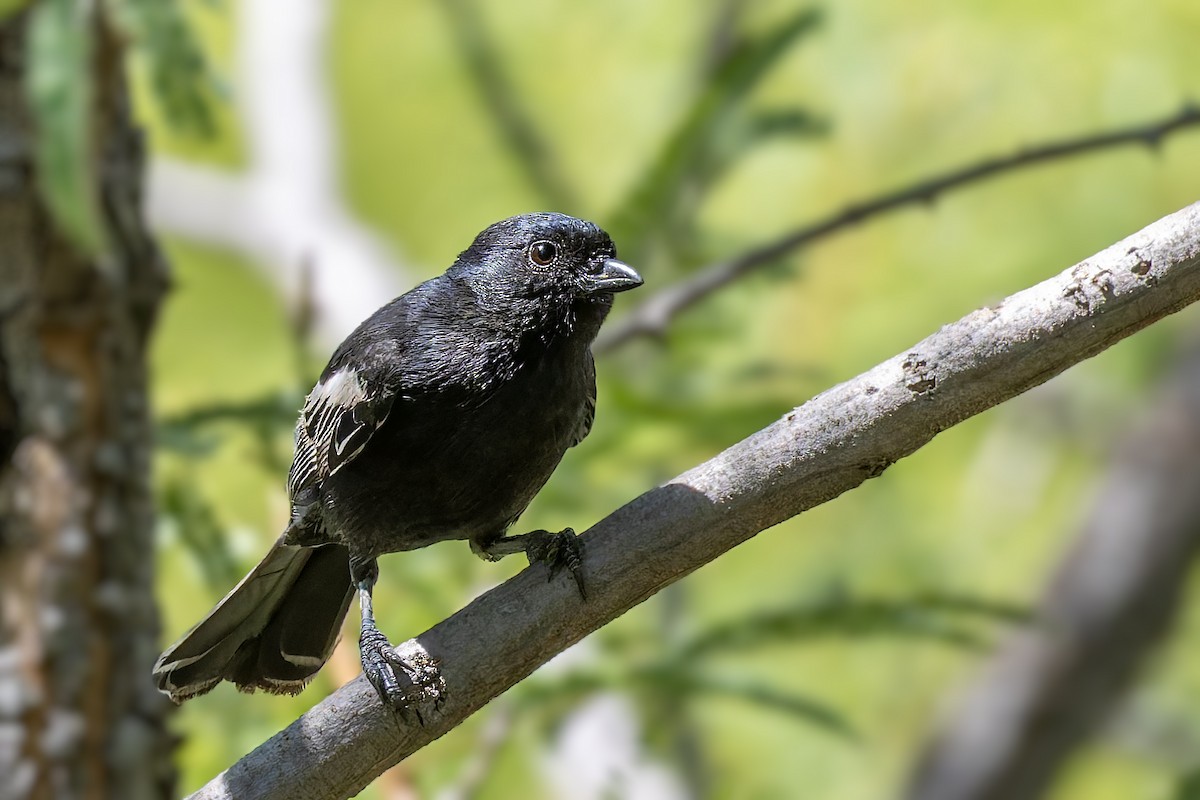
(829, 445)
(79, 717)
(1110, 602)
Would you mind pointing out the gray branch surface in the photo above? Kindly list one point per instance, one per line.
(816, 452)
(1112, 599)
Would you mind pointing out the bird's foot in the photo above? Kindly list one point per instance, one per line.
(557, 550)
(407, 683)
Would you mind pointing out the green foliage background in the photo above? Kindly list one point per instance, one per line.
(835, 702)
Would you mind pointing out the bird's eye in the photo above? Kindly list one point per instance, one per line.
(542, 253)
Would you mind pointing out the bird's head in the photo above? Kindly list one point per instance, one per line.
(546, 268)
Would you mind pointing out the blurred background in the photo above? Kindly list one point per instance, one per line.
(326, 156)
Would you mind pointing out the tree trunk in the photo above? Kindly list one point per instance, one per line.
(79, 716)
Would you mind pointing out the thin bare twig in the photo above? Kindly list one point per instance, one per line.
(653, 317)
(816, 452)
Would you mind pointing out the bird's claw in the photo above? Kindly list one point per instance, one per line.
(405, 683)
(558, 550)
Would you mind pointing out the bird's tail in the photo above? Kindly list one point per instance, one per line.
(273, 631)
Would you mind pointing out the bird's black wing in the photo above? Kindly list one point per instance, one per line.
(339, 417)
(589, 409)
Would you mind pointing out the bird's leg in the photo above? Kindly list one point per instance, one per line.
(401, 681)
(555, 549)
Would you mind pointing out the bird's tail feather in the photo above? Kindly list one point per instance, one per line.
(273, 631)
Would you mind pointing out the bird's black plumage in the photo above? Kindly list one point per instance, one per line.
(439, 417)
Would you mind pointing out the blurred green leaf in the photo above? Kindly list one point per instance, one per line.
(924, 616)
(274, 408)
(559, 697)
(10, 7)
(686, 150)
(1188, 786)
(797, 123)
(200, 532)
(58, 83)
(179, 72)
(187, 441)
(696, 685)
(997, 611)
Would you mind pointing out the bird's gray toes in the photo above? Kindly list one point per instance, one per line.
(408, 684)
(558, 550)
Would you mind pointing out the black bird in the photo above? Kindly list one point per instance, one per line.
(440, 417)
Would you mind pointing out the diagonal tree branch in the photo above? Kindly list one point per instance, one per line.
(653, 316)
(829, 445)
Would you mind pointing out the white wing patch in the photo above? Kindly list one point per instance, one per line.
(338, 419)
(343, 389)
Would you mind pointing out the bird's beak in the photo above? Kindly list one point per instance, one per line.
(614, 276)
